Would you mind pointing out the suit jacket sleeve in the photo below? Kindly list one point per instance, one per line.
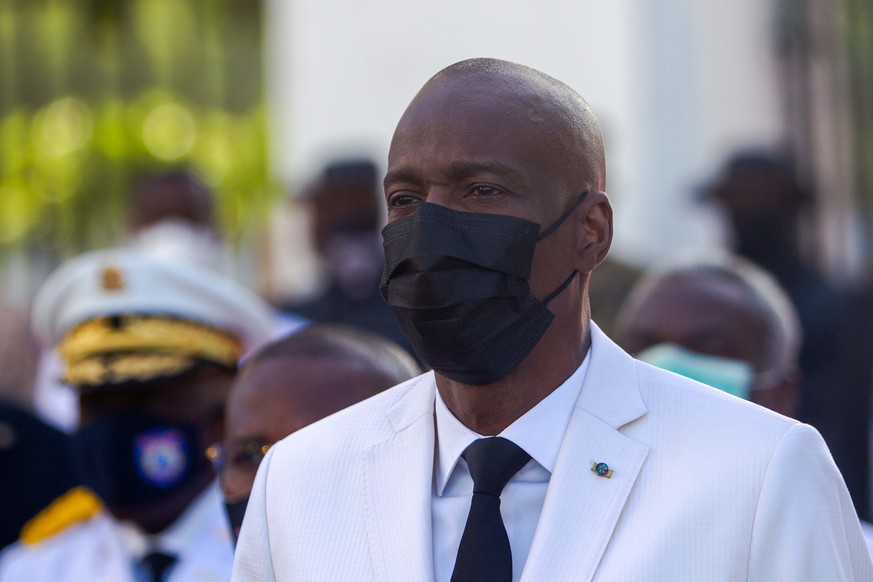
(805, 525)
(253, 561)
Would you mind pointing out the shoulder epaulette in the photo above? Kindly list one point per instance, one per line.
(76, 505)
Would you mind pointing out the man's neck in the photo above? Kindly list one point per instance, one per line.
(488, 409)
(157, 516)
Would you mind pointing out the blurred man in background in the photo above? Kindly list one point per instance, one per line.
(172, 216)
(292, 383)
(36, 466)
(723, 322)
(151, 347)
(18, 356)
(767, 207)
(34, 456)
(346, 216)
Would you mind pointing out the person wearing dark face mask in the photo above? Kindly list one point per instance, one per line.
(537, 449)
(331, 366)
(343, 205)
(768, 209)
(151, 347)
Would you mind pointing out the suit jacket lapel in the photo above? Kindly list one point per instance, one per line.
(581, 508)
(398, 477)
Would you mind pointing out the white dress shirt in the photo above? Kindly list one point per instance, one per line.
(199, 540)
(540, 432)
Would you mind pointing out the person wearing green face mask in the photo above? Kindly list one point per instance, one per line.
(723, 322)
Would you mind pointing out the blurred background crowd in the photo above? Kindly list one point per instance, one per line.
(249, 137)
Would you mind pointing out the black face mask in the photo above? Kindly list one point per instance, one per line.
(459, 286)
(131, 460)
(236, 511)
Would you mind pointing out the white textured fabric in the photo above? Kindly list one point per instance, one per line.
(705, 487)
(104, 549)
(867, 528)
(540, 433)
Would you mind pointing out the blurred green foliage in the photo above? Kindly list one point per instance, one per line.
(94, 93)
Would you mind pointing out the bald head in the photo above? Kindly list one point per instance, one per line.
(496, 139)
(379, 356)
(503, 94)
(724, 307)
(733, 296)
(299, 380)
(546, 101)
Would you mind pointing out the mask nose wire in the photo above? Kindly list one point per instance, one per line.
(562, 218)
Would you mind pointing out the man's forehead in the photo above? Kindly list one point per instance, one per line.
(473, 96)
(700, 288)
(510, 114)
(313, 375)
(477, 131)
(695, 301)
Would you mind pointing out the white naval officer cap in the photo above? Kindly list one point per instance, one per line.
(119, 315)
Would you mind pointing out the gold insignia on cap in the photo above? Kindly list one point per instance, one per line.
(111, 350)
(112, 279)
(119, 368)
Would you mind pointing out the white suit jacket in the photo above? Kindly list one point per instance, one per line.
(706, 487)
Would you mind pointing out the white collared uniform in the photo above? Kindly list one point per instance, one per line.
(105, 550)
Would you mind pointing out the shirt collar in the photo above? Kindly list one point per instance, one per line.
(539, 431)
(205, 517)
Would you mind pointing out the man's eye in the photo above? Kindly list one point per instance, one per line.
(249, 456)
(485, 190)
(402, 200)
(242, 460)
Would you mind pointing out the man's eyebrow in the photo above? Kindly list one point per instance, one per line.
(458, 170)
(466, 169)
(401, 175)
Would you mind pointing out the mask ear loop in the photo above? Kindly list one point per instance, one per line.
(552, 229)
(563, 217)
(563, 286)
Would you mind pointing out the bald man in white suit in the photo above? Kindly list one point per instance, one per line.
(495, 193)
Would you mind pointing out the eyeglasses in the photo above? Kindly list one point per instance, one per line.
(238, 459)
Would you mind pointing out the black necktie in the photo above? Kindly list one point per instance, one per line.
(484, 554)
(157, 564)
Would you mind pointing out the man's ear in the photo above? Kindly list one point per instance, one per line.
(594, 231)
